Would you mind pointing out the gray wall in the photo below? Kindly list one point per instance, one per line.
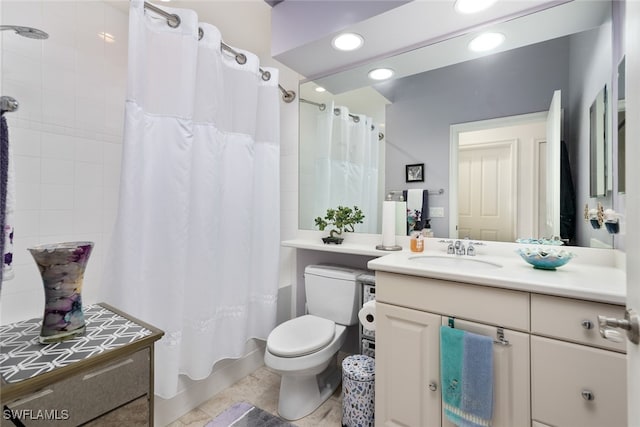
(424, 106)
(591, 67)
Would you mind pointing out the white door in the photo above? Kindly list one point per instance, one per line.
(554, 127)
(528, 169)
(529, 133)
(487, 191)
(632, 240)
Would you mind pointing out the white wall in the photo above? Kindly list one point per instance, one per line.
(66, 135)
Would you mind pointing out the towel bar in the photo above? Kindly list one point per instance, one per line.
(501, 339)
(499, 333)
(396, 195)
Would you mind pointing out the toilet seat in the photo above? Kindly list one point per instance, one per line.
(301, 336)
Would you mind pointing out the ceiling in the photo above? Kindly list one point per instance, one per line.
(406, 27)
(558, 21)
(408, 36)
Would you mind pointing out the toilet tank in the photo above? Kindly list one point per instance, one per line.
(332, 292)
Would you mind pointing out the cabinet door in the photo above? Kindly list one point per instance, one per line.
(407, 367)
(576, 385)
(511, 387)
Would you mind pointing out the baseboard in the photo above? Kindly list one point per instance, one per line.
(194, 393)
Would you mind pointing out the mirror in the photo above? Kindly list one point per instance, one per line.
(621, 127)
(421, 108)
(341, 155)
(598, 145)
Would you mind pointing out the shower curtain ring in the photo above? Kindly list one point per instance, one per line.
(174, 21)
(241, 58)
(266, 76)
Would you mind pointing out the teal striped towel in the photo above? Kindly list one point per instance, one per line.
(466, 368)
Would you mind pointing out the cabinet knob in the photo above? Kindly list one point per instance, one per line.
(587, 324)
(433, 386)
(587, 395)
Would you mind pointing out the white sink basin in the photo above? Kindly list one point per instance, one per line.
(454, 261)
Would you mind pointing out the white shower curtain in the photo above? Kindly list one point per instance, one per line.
(343, 152)
(196, 243)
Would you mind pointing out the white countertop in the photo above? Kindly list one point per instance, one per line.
(594, 274)
(588, 281)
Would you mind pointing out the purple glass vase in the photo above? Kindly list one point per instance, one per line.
(62, 267)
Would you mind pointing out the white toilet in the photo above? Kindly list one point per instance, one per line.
(303, 350)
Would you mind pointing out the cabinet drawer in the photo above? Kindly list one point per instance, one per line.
(87, 395)
(494, 306)
(135, 413)
(562, 371)
(562, 318)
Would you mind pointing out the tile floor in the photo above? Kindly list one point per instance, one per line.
(261, 388)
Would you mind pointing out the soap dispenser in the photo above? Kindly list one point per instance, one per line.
(417, 241)
(426, 231)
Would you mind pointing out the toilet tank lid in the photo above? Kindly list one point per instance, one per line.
(333, 271)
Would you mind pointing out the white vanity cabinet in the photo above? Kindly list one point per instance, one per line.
(408, 348)
(578, 377)
(555, 371)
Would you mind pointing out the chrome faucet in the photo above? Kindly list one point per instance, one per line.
(450, 249)
(471, 250)
(458, 248)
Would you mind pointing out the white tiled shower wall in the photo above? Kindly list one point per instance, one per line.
(66, 136)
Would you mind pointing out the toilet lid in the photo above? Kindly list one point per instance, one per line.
(300, 336)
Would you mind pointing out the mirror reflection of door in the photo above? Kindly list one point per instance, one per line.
(502, 178)
(553, 138)
(487, 195)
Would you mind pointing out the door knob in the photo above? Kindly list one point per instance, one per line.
(630, 323)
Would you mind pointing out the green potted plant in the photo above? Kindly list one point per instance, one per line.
(341, 219)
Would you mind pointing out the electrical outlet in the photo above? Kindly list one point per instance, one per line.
(436, 212)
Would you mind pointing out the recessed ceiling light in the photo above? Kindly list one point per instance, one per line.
(473, 6)
(320, 89)
(380, 73)
(347, 41)
(486, 41)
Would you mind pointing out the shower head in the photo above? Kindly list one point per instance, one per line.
(32, 33)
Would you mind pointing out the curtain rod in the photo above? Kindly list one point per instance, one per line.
(336, 111)
(320, 106)
(174, 21)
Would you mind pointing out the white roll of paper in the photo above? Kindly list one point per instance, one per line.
(388, 223)
(367, 315)
(401, 218)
